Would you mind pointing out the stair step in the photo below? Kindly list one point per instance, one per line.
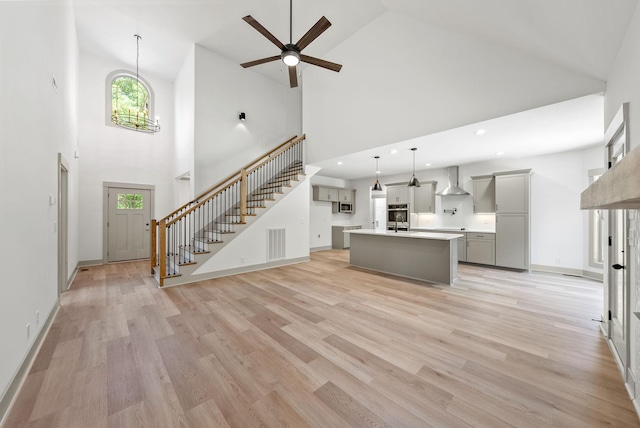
(194, 250)
(219, 231)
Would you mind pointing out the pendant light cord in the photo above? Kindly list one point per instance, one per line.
(137, 59)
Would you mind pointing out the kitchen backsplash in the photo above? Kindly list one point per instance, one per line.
(464, 216)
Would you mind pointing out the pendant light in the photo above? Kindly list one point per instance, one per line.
(413, 182)
(377, 186)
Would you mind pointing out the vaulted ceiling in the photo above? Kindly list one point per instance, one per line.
(580, 36)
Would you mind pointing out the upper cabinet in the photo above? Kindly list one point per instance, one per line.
(327, 194)
(400, 194)
(484, 194)
(512, 192)
(424, 198)
(346, 195)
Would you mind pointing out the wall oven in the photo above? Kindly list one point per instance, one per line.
(398, 217)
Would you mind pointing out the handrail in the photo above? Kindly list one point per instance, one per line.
(204, 201)
(226, 203)
(291, 141)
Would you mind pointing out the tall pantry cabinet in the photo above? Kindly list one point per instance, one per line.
(513, 222)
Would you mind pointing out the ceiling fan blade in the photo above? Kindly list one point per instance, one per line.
(293, 77)
(313, 33)
(320, 62)
(255, 24)
(260, 61)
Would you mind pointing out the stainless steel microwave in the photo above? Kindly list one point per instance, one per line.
(345, 207)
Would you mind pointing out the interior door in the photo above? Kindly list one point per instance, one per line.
(128, 227)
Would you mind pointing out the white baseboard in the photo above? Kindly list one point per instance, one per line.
(314, 249)
(239, 270)
(12, 391)
(568, 271)
(90, 263)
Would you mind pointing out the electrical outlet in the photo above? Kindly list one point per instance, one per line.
(241, 260)
(28, 332)
(558, 260)
(37, 318)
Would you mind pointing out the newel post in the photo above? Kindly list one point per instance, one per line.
(243, 194)
(154, 244)
(163, 251)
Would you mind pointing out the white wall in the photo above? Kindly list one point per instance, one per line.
(557, 223)
(223, 89)
(411, 79)
(184, 95)
(37, 40)
(114, 154)
(622, 87)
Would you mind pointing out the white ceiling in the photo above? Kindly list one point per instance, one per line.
(555, 128)
(579, 35)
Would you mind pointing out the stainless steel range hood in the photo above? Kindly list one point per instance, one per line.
(454, 188)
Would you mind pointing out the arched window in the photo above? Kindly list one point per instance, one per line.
(130, 102)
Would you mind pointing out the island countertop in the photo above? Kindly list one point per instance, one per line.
(452, 230)
(425, 256)
(407, 234)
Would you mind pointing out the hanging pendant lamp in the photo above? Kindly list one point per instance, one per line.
(413, 182)
(377, 186)
(142, 121)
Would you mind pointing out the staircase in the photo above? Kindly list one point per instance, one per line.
(183, 240)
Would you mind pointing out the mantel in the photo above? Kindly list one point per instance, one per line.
(618, 188)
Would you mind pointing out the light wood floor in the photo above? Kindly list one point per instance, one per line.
(322, 344)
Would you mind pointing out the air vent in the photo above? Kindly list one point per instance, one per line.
(275, 244)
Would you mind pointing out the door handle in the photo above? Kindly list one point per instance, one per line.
(617, 266)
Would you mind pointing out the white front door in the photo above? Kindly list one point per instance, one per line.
(128, 226)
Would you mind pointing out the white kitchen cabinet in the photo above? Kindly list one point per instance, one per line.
(326, 194)
(346, 195)
(484, 194)
(424, 197)
(400, 194)
(512, 192)
(512, 241)
(481, 248)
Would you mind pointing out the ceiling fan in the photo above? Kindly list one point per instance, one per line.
(290, 54)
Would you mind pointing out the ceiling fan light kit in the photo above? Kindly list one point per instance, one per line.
(290, 53)
(290, 57)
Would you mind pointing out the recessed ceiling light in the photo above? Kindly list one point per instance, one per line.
(427, 164)
(339, 162)
(499, 153)
(480, 132)
(393, 152)
(377, 172)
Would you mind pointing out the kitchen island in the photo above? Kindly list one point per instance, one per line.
(425, 256)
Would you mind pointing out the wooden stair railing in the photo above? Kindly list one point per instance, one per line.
(190, 229)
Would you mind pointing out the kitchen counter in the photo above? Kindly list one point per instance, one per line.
(410, 234)
(452, 229)
(424, 256)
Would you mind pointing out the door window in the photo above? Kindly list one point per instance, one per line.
(130, 201)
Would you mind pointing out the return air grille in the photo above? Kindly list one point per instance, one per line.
(275, 244)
